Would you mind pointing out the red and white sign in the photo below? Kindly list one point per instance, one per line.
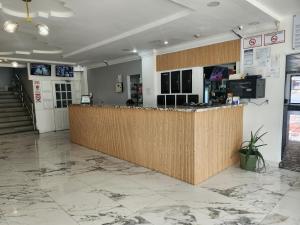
(275, 38)
(37, 91)
(253, 42)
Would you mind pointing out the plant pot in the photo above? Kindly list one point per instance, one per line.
(250, 164)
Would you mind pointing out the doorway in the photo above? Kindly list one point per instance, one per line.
(62, 99)
(291, 119)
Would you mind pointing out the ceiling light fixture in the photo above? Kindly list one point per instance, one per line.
(166, 42)
(134, 51)
(14, 64)
(1, 60)
(213, 4)
(11, 26)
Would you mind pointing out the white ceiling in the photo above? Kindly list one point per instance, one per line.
(91, 31)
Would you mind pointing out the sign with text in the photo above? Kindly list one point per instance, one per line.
(296, 32)
(275, 38)
(253, 42)
(37, 91)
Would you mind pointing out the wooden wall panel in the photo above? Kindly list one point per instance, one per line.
(158, 140)
(218, 136)
(186, 145)
(221, 53)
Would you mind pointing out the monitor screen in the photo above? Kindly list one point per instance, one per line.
(85, 99)
(219, 73)
(64, 71)
(40, 69)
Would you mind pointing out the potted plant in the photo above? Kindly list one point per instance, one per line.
(250, 156)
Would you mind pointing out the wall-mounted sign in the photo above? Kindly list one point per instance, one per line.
(296, 32)
(253, 42)
(37, 91)
(275, 38)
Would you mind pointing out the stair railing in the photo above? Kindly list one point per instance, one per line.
(25, 99)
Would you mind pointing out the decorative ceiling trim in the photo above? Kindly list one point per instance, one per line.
(37, 61)
(132, 32)
(64, 12)
(114, 61)
(35, 51)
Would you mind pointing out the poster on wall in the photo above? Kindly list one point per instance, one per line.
(252, 42)
(274, 38)
(296, 32)
(248, 57)
(37, 91)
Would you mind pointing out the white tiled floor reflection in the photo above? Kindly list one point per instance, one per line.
(48, 180)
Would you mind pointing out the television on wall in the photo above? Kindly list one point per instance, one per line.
(64, 71)
(40, 69)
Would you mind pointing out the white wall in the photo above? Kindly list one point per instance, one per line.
(271, 115)
(149, 76)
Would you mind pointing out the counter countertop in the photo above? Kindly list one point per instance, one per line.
(177, 109)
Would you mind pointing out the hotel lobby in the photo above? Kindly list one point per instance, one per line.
(139, 112)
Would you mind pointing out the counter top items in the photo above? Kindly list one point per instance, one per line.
(188, 108)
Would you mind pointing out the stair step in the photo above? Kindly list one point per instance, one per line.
(10, 105)
(7, 93)
(10, 100)
(15, 124)
(13, 130)
(13, 114)
(8, 97)
(12, 109)
(14, 119)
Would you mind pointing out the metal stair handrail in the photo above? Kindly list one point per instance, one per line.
(25, 100)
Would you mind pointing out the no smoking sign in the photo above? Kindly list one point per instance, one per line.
(253, 42)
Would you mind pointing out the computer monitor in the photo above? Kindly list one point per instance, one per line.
(85, 99)
(180, 100)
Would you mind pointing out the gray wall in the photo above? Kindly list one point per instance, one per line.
(101, 82)
(6, 75)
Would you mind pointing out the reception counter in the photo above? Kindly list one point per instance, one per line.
(190, 144)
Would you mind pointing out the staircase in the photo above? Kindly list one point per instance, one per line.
(14, 116)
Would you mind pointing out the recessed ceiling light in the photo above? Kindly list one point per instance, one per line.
(134, 51)
(15, 64)
(43, 29)
(1, 60)
(213, 4)
(166, 42)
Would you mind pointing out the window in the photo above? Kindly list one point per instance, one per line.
(63, 94)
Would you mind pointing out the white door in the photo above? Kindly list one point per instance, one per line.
(62, 92)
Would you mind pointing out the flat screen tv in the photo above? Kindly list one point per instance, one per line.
(40, 69)
(219, 73)
(64, 71)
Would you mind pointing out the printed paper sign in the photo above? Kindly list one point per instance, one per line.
(37, 91)
(253, 42)
(296, 32)
(275, 38)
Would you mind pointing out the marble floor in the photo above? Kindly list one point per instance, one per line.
(46, 180)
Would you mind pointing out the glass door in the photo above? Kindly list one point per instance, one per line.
(295, 89)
